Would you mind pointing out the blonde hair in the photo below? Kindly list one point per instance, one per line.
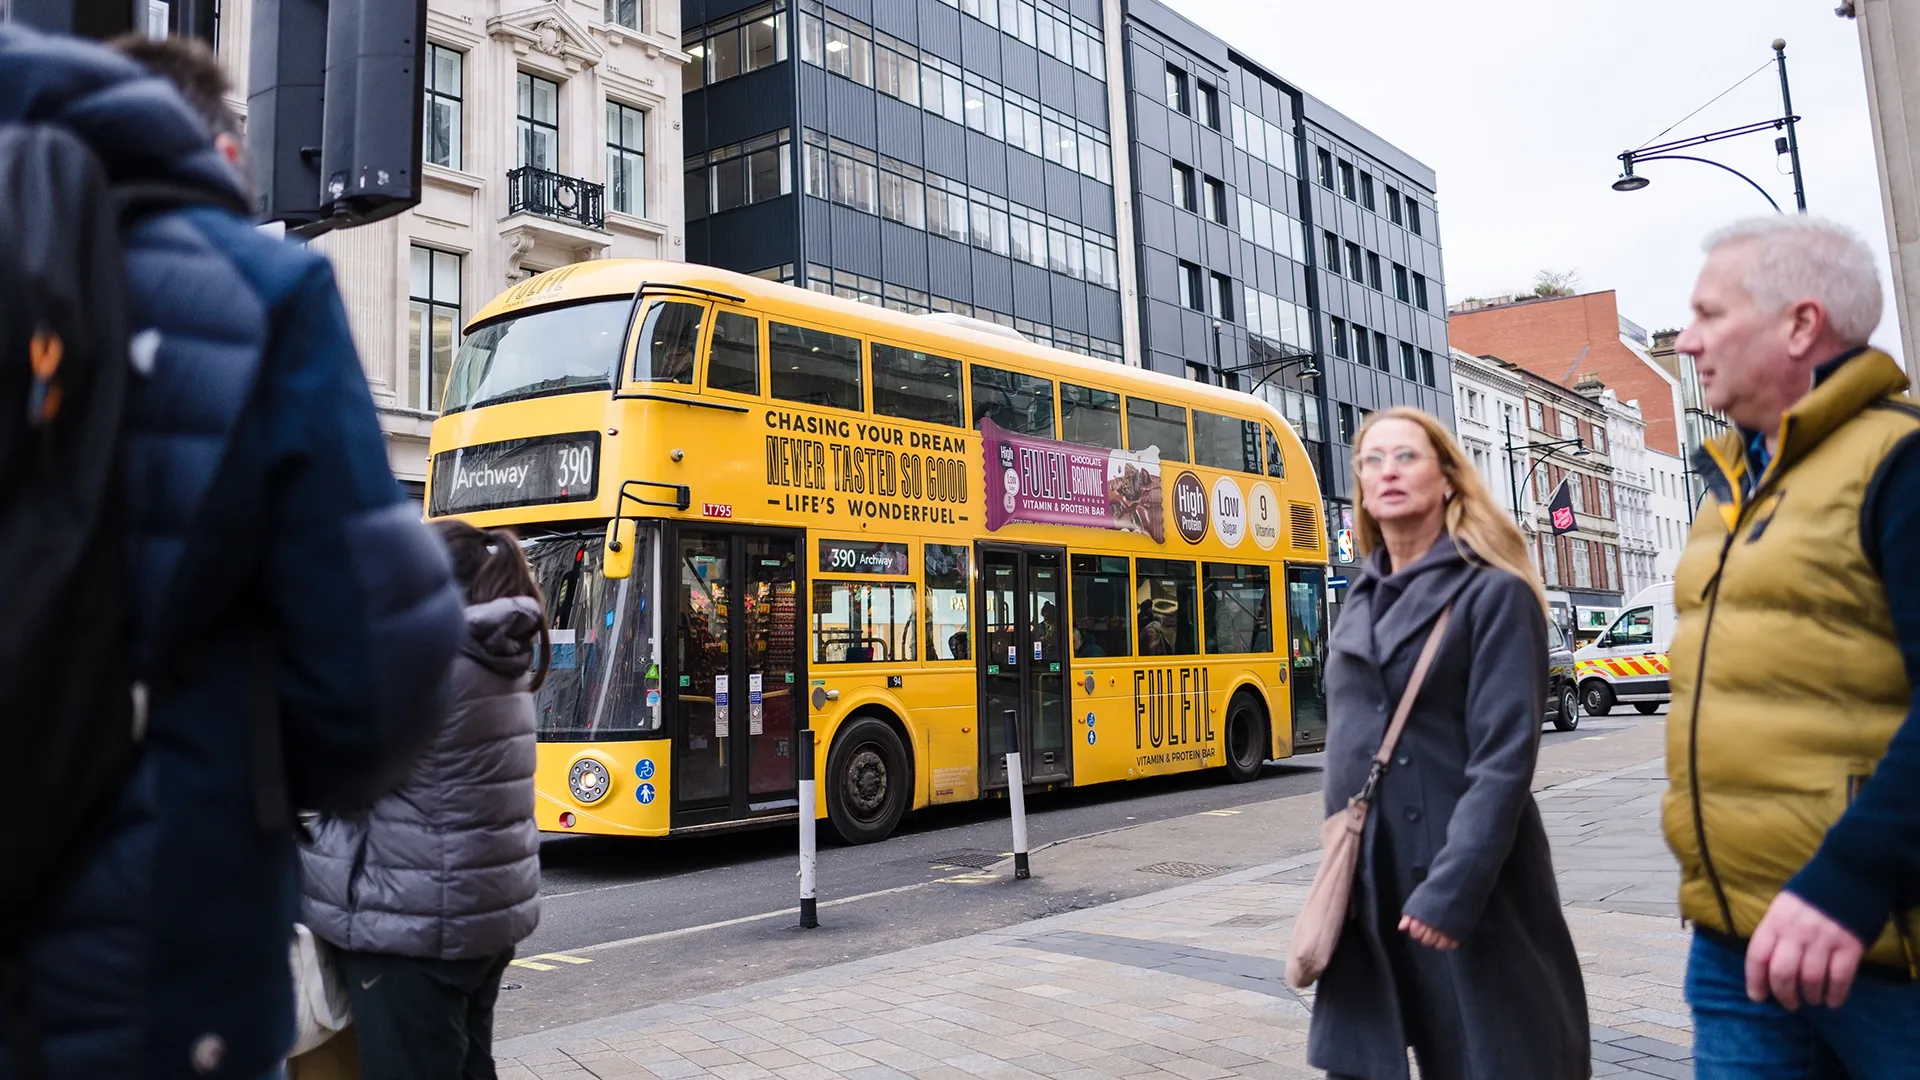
(1484, 532)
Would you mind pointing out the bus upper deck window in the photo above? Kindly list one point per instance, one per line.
(814, 367)
(1153, 424)
(1225, 442)
(916, 386)
(733, 360)
(1090, 417)
(1021, 404)
(1276, 458)
(669, 340)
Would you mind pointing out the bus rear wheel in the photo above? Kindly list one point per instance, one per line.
(867, 781)
(1247, 739)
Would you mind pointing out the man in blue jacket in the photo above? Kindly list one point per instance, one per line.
(267, 540)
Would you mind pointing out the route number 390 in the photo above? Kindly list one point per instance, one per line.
(574, 467)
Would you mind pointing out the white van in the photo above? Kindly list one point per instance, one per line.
(1628, 663)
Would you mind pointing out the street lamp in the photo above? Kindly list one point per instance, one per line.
(1578, 446)
(1788, 144)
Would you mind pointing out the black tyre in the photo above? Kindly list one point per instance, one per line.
(1569, 716)
(869, 781)
(1596, 697)
(1647, 708)
(1247, 739)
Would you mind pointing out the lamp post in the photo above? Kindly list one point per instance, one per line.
(1578, 446)
(1788, 144)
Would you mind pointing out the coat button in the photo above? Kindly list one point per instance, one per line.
(207, 1053)
(1403, 761)
(1413, 813)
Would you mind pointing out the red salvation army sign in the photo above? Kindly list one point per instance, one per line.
(1560, 510)
(1044, 482)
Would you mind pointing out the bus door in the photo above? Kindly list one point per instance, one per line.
(733, 673)
(1306, 649)
(1022, 658)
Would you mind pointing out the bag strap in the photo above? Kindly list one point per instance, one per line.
(1405, 708)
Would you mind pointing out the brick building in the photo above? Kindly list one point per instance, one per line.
(1581, 569)
(1563, 338)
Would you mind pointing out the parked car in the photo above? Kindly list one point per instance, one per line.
(1628, 663)
(1563, 699)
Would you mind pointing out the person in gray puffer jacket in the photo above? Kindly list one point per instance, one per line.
(427, 893)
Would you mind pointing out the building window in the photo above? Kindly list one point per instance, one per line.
(1420, 292)
(1326, 168)
(1222, 297)
(1191, 295)
(1393, 207)
(442, 125)
(1536, 417)
(1472, 396)
(1400, 283)
(1333, 251)
(1380, 357)
(1360, 351)
(1216, 201)
(1569, 426)
(1340, 339)
(433, 326)
(538, 117)
(1373, 270)
(1183, 196)
(1366, 190)
(1426, 367)
(626, 159)
(1346, 180)
(1354, 270)
(1177, 99)
(1413, 215)
(1210, 106)
(1347, 426)
(754, 171)
(1411, 369)
(624, 13)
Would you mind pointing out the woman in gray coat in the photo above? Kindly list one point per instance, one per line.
(427, 894)
(1456, 945)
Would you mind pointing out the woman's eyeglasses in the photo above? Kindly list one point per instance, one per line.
(1403, 458)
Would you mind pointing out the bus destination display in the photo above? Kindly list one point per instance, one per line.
(863, 557)
(518, 472)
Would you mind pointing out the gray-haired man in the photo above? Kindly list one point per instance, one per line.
(1794, 800)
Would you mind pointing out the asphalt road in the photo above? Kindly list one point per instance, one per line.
(627, 923)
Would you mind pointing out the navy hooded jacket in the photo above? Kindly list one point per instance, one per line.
(261, 508)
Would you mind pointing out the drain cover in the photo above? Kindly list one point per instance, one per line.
(973, 858)
(1183, 869)
(1252, 922)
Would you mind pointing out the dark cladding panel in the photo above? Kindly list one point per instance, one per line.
(980, 49)
(946, 147)
(993, 281)
(1019, 68)
(746, 106)
(1096, 205)
(897, 18)
(939, 28)
(1103, 313)
(1063, 192)
(903, 255)
(1069, 304)
(949, 269)
(856, 241)
(986, 163)
(1025, 174)
(1056, 84)
(819, 231)
(1032, 293)
(1090, 100)
(850, 112)
(900, 130)
(750, 238)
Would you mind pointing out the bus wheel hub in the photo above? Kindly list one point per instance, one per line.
(867, 781)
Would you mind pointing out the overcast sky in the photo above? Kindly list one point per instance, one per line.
(1521, 108)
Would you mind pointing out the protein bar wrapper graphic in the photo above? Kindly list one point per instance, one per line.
(1044, 482)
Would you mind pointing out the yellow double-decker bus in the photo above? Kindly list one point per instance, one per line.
(762, 514)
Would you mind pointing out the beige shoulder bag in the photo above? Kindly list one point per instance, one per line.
(1317, 932)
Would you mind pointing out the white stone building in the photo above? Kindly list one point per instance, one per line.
(552, 136)
(1671, 510)
(1632, 489)
(1489, 411)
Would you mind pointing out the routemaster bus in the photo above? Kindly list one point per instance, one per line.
(759, 514)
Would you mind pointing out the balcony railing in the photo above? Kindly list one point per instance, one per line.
(549, 194)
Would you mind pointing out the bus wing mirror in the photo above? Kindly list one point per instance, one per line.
(618, 563)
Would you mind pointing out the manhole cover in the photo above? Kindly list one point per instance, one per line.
(1183, 869)
(972, 858)
(1251, 922)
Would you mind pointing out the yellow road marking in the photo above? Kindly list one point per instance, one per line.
(966, 879)
(532, 965)
(535, 963)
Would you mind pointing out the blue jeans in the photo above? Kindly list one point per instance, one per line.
(1874, 1036)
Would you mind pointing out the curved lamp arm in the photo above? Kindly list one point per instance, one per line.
(1717, 165)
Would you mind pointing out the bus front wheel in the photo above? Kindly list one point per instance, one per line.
(1247, 739)
(867, 781)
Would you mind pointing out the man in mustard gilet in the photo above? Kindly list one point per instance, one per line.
(1794, 760)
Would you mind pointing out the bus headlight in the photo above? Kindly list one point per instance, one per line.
(589, 781)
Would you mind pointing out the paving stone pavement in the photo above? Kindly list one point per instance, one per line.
(1182, 983)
